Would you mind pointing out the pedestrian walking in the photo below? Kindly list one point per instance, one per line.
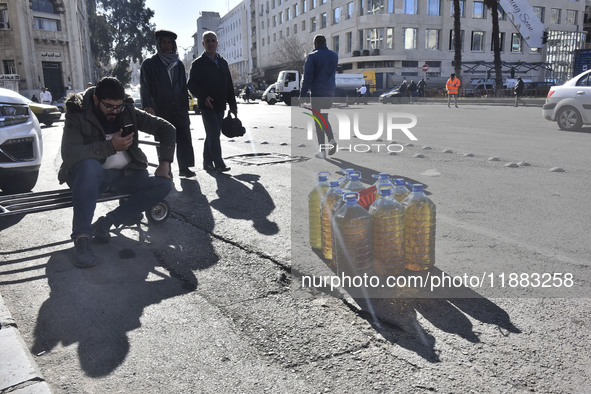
(210, 81)
(412, 89)
(45, 96)
(452, 86)
(319, 82)
(98, 158)
(34, 99)
(403, 90)
(421, 87)
(518, 90)
(164, 93)
(361, 93)
(247, 93)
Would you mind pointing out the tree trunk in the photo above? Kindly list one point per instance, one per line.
(457, 41)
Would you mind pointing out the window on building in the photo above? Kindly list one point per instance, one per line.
(501, 43)
(410, 6)
(312, 4)
(360, 39)
(295, 28)
(287, 14)
(462, 9)
(262, 25)
(304, 5)
(274, 20)
(390, 38)
(361, 7)
(432, 39)
(375, 7)
(502, 13)
(9, 66)
(390, 6)
(348, 42)
(555, 16)
(263, 41)
(336, 15)
(303, 25)
(46, 24)
(374, 38)
(410, 38)
(313, 24)
(335, 44)
(516, 45)
(452, 46)
(296, 10)
(350, 9)
(323, 20)
(4, 22)
(539, 11)
(433, 7)
(274, 37)
(43, 6)
(478, 10)
(273, 4)
(571, 17)
(477, 41)
(280, 34)
(281, 18)
(287, 31)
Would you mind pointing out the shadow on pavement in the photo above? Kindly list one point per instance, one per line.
(243, 197)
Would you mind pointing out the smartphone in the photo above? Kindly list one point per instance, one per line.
(127, 129)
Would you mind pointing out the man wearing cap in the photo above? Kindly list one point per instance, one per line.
(164, 93)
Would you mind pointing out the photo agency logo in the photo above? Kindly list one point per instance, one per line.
(369, 127)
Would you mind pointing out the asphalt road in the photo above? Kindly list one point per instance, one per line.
(211, 301)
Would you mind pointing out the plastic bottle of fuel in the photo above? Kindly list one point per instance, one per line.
(338, 205)
(400, 190)
(314, 209)
(330, 198)
(352, 231)
(383, 179)
(388, 233)
(346, 178)
(419, 230)
(354, 185)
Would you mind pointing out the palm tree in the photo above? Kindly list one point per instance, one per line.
(493, 5)
(457, 40)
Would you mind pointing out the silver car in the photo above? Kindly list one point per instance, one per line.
(21, 144)
(570, 104)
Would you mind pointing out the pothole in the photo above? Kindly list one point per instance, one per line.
(259, 159)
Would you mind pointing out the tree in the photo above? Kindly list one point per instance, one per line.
(457, 40)
(493, 5)
(290, 53)
(121, 31)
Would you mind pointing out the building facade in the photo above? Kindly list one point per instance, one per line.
(44, 43)
(413, 38)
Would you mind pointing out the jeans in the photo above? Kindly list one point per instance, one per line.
(212, 150)
(88, 179)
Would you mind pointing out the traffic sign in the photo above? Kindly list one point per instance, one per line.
(425, 67)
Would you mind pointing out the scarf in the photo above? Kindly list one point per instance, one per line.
(170, 60)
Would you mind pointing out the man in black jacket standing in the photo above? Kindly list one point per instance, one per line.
(164, 93)
(210, 81)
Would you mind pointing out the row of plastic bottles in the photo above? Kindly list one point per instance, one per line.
(397, 232)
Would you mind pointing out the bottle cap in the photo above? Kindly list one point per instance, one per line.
(355, 176)
(381, 176)
(334, 183)
(417, 187)
(323, 176)
(399, 182)
(385, 190)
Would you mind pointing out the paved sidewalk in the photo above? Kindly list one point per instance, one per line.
(18, 370)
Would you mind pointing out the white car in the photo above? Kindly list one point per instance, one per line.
(21, 144)
(570, 104)
(270, 94)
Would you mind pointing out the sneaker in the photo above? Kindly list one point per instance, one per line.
(84, 256)
(333, 149)
(321, 155)
(101, 229)
(185, 172)
(222, 169)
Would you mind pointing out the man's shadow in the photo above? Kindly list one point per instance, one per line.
(243, 197)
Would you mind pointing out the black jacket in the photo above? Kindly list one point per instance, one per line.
(84, 136)
(170, 100)
(208, 79)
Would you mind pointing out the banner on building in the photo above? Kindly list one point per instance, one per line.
(522, 15)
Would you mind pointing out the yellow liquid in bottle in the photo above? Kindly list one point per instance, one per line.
(388, 236)
(352, 231)
(326, 206)
(419, 234)
(315, 229)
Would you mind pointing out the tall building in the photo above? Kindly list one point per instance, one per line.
(44, 43)
(412, 38)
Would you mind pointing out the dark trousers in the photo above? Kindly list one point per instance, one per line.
(88, 179)
(185, 154)
(321, 105)
(212, 149)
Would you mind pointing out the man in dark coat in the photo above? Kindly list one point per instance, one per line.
(519, 88)
(164, 93)
(210, 81)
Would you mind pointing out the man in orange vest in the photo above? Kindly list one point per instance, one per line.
(452, 85)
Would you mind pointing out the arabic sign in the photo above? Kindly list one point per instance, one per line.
(523, 17)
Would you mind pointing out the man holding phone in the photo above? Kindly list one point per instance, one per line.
(100, 153)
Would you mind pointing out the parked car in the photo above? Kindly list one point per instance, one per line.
(137, 98)
(193, 104)
(570, 104)
(391, 95)
(45, 113)
(21, 143)
(478, 90)
(539, 87)
(270, 94)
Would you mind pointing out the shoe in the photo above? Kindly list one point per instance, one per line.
(456, 106)
(321, 155)
(333, 148)
(134, 220)
(208, 167)
(84, 256)
(185, 172)
(222, 169)
(101, 229)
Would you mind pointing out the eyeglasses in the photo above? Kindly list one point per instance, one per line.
(111, 107)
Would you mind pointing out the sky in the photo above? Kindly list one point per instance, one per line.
(180, 16)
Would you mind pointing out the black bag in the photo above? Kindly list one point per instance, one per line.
(232, 126)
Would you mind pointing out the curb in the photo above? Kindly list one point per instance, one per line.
(19, 372)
